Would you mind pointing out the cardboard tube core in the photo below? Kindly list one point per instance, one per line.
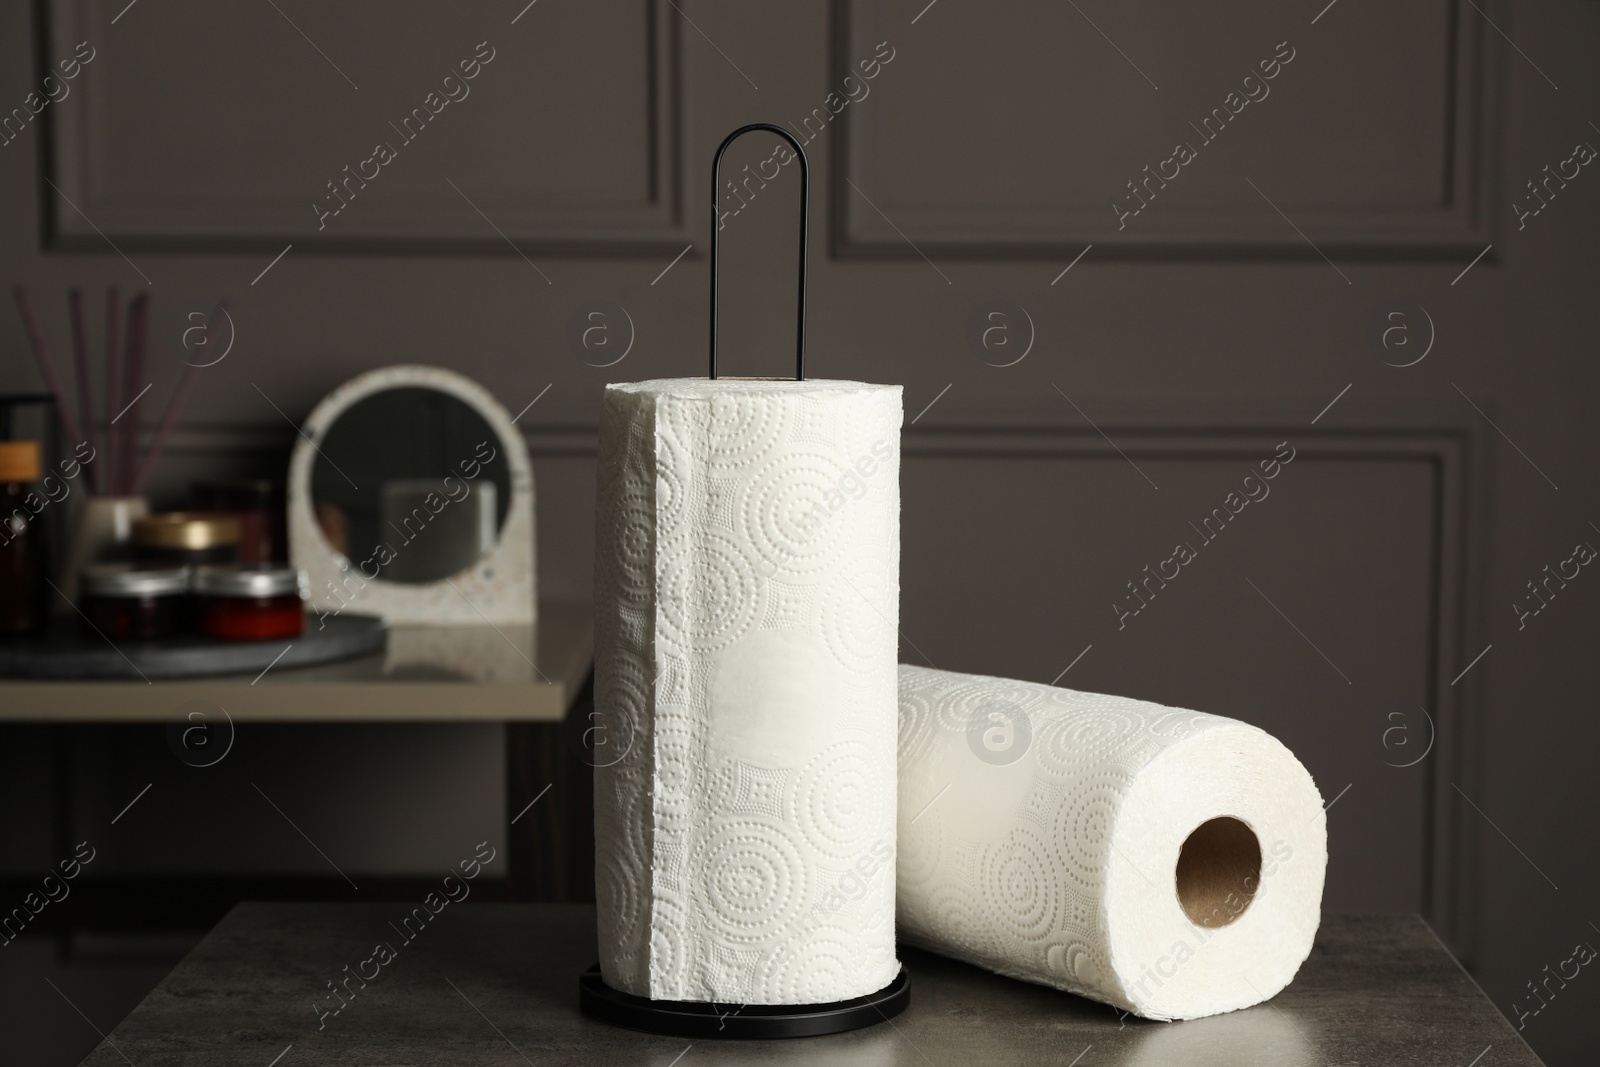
(1219, 868)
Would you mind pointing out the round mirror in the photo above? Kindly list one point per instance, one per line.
(413, 480)
(411, 497)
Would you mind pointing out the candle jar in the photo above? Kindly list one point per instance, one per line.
(250, 605)
(122, 603)
(186, 538)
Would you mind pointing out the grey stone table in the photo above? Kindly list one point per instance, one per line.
(497, 984)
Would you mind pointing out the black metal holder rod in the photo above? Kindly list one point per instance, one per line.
(805, 183)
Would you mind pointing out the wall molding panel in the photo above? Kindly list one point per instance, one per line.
(166, 143)
(1037, 177)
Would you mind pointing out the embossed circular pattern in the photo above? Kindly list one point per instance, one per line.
(955, 705)
(844, 801)
(617, 898)
(1069, 743)
(613, 724)
(812, 971)
(1017, 883)
(633, 541)
(668, 954)
(1082, 831)
(751, 880)
(789, 517)
(628, 838)
(856, 617)
(677, 783)
(917, 716)
(1179, 724)
(672, 475)
(1074, 963)
(709, 597)
(956, 917)
(616, 416)
(739, 430)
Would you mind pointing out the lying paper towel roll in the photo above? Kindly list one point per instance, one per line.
(1164, 861)
(747, 598)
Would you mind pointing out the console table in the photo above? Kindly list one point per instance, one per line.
(534, 679)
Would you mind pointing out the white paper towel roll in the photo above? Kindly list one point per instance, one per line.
(747, 600)
(1164, 861)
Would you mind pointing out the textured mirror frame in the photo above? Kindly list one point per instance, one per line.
(498, 588)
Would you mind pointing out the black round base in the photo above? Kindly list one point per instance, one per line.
(681, 1018)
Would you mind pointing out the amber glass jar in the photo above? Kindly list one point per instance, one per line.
(122, 603)
(250, 605)
(22, 541)
(186, 538)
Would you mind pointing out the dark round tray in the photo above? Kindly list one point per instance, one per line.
(681, 1018)
(65, 652)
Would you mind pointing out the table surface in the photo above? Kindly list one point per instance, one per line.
(427, 673)
(497, 984)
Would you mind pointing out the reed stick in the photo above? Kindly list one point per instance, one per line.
(180, 397)
(47, 367)
(80, 360)
(133, 385)
(113, 391)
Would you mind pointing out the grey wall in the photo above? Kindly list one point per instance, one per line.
(1220, 320)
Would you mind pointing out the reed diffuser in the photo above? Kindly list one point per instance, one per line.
(108, 442)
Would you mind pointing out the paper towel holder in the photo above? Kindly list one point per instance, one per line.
(703, 1019)
(805, 197)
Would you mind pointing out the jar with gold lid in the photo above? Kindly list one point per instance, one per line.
(186, 538)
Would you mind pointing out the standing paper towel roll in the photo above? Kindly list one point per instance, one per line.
(1164, 861)
(747, 598)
